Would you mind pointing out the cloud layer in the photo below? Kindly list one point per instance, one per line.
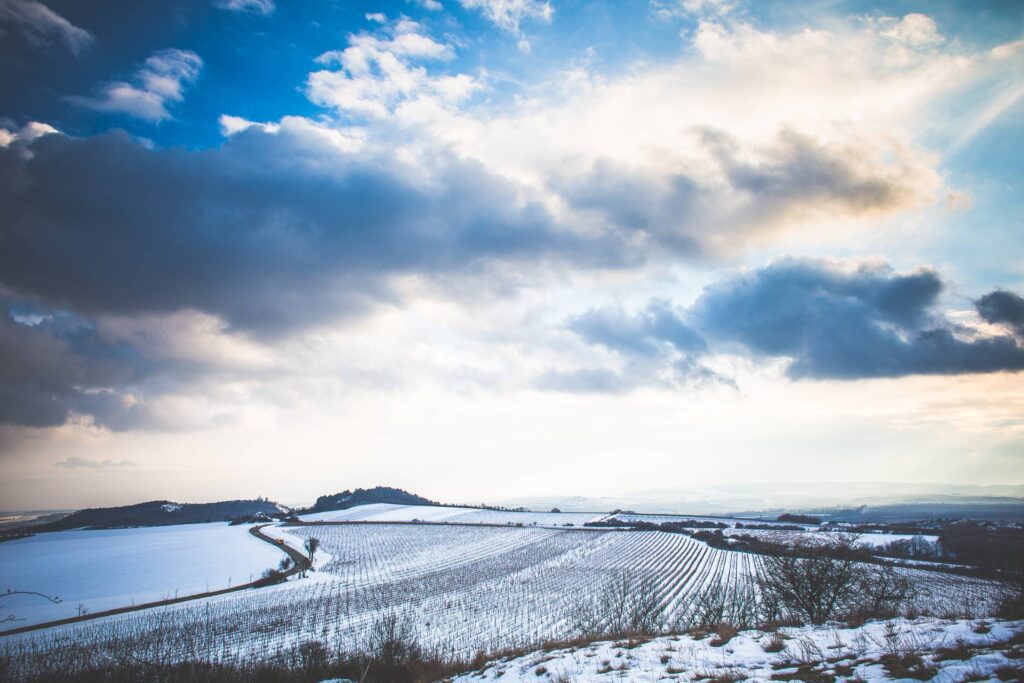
(825, 320)
(131, 271)
(271, 232)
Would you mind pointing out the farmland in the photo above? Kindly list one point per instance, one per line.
(466, 587)
(105, 569)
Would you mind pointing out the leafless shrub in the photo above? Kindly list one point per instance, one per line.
(721, 603)
(392, 639)
(882, 592)
(626, 604)
(723, 634)
(819, 583)
(774, 644)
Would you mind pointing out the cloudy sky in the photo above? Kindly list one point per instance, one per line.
(483, 249)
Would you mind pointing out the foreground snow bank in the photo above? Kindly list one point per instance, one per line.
(922, 649)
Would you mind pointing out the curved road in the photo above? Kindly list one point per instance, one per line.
(299, 563)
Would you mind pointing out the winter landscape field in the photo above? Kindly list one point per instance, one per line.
(459, 582)
(422, 341)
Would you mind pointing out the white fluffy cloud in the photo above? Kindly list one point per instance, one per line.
(160, 81)
(673, 148)
(380, 72)
(26, 134)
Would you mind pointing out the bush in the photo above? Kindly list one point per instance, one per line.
(269, 577)
(392, 639)
(820, 583)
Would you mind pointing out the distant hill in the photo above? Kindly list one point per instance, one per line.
(163, 513)
(992, 510)
(772, 498)
(378, 494)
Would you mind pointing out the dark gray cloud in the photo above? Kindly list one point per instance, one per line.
(40, 26)
(650, 332)
(268, 232)
(658, 344)
(271, 233)
(1003, 308)
(54, 364)
(670, 210)
(831, 323)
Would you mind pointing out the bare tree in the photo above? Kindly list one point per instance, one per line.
(814, 588)
(311, 545)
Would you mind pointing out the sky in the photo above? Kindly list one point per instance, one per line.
(491, 249)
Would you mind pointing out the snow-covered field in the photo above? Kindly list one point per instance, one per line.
(871, 652)
(104, 569)
(386, 512)
(467, 588)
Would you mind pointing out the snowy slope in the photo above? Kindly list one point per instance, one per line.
(105, 569)
(863, 653)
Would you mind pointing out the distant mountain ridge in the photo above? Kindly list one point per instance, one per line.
(774, 497)
(163, 513)
(378, 494)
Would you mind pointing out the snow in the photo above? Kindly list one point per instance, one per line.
(685, 658)
(387, 512)
(106, 569)
(468, 587)
(877, 540)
